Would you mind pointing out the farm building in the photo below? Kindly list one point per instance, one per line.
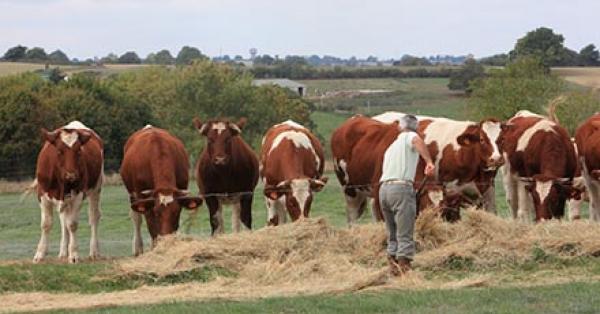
(286, 83)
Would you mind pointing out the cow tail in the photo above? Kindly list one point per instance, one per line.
(28, 190)
(554, 103)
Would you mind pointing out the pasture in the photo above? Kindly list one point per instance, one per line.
(545, 282)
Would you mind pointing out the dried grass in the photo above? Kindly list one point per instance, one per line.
(311, 257)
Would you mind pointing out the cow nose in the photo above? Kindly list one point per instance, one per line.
(496, 162)
(219, 160)
(70, 176)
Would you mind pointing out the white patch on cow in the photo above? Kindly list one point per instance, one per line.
(444, 132)
(299, 139)
(219, 127)
(541, 126)
(292, 124)
(165, 199)
(76, 125)
(393, 116)
(301, 192)
(436, 197)
(493, 130)
(69, 138)
(344, 168)
(543, 189)
(527, 114)
(148, 126)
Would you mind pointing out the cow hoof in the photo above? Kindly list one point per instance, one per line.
(74, 259)
(62, 256)
(576, 217)
(95, 257)
(38, 258)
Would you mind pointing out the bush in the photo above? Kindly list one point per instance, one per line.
(574, 107)
(461, 79)
(523, 84)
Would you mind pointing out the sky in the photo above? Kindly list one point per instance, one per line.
(344, 28)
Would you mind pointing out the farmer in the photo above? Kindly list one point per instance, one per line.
(397, 194)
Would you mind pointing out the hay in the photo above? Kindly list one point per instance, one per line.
(311, 257)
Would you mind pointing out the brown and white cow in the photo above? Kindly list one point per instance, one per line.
(155, 171)
(466, 155)
(226, 172)
(358, 146)
(587, 138)
(69, 169)
(540, 166)
(292, 165)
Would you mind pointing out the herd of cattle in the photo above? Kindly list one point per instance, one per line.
(542, 169)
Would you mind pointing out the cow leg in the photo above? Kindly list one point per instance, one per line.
(575, 208)
(355, 206)
(594, 194)
(47, 208)
(138, 243)
(510, 189)
(235, 216)
(246, 210)
(63, 252)
(94, 214)
(489, 200)
(525, 203)
(216, 215)
(72, 222)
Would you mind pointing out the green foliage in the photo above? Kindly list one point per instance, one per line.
(307, 72)
(188, 54)
(523, 84)
(130, 57)
(164, 57)
(574, 107)
(58, 57)
(110, 58)
(460, 80)
(15, 53)
(36, 54)
(541, 43)
(408, 60)
(589, 55)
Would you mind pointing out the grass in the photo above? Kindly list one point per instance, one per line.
(10, 68)
(428, 96)
(563, 298)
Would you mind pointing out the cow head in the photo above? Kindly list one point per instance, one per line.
(69, 145)
(485, 138)
(164, 208)
(298, 194)
(219, 136)
(549, 195)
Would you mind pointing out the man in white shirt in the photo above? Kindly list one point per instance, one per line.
(397, 195)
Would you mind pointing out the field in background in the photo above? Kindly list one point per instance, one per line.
(588, 76)
(9, 68)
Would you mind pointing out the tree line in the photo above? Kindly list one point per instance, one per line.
(116, 106)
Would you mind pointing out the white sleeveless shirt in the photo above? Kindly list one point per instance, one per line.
(400, 159)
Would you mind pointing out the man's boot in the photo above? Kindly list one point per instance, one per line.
(393, 265)
(404, 265)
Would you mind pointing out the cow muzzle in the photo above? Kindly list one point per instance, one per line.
(220, 160)
(71, 176)
(494, 163)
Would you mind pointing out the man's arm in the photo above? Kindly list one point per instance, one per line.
(421, 148)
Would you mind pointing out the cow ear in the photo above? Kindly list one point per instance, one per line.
(468, 139)
(316, 185)
(271, 192)
(202, 128)
(190, 202)
(84, 137)
(141, 206)
(48, 136)
(242, 122)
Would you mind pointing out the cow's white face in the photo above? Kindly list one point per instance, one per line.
(489, 138)
(298, 194)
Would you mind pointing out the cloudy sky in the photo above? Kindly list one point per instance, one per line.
(387, 29)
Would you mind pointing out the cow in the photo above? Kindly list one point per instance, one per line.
(540, 166)
(579, 192)
(358, 147)
(226, 172)
(155, 171)
(587, 139)
(291, 167)
(466, 155)
(70, 167)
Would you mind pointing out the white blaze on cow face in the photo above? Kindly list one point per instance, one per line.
(69, 138)
(492, 130)
(299, 139)
(301, 192)
(436, 197)
(165, 199)
(543, 189)
(219, 127)
(542, 126)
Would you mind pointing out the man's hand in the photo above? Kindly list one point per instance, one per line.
(429, 168)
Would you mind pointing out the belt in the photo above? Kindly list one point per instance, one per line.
(398, 181)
